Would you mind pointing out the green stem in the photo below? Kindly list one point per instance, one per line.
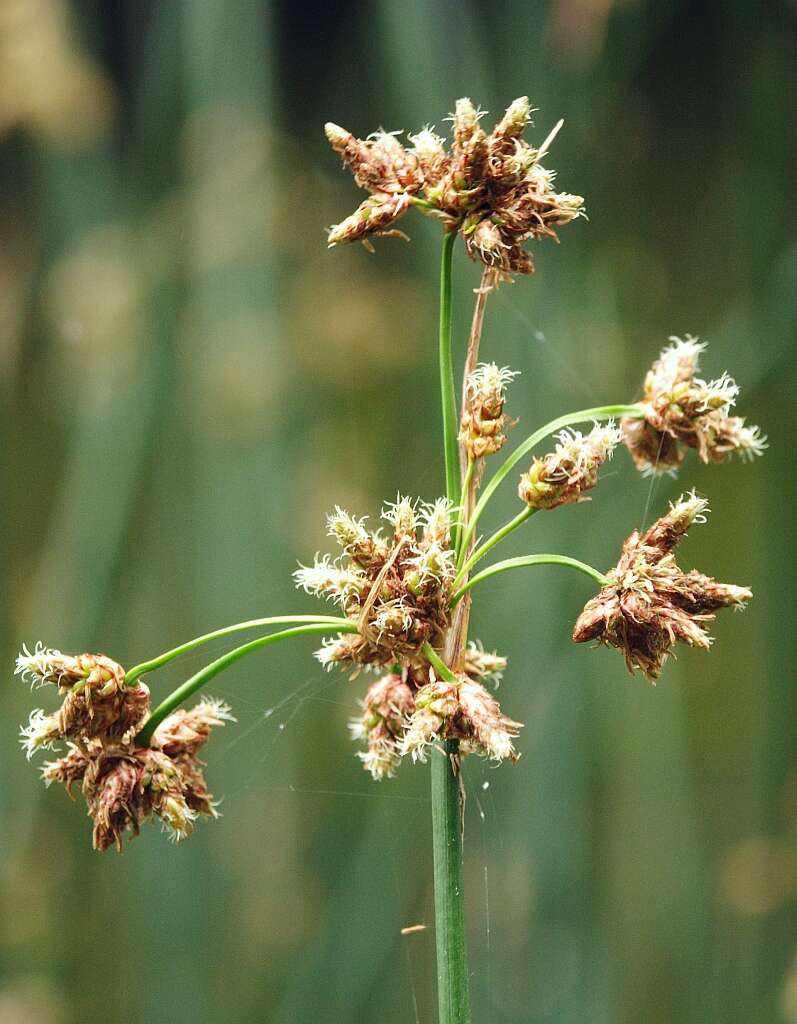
(452, 960)
(204, 675)
(463, 500)
(600, 413)
(447, 391)
(452, 955)
(521, 562)
(490, 543)
(449, 904)
(236, 627)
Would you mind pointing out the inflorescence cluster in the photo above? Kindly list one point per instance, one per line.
(399, 589)
(123, 783)
(483, 422)
(407, 709)
(562, 476)
(491, 188)
(683, 410)
(648, 603)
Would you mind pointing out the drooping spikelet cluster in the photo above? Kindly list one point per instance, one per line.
(562, 476)
(483, 421)
(681, 409)
(405, 712)
(124, 783)
(491, 188)
(648, 603)
(396, 589)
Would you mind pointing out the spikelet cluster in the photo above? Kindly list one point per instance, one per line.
(562, 476)
(386, 709)
(483, 423)
(681, 409)
(484, 666)
(96, 703)
(465, 711)
(405, 712)
(396, 588)
(648, 603)
(491, 188)
(123, 783)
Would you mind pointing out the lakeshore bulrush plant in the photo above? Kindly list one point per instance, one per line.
(402, 593)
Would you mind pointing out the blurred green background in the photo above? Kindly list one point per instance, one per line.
(190, 381)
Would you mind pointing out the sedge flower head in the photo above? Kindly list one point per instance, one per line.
(562, 476)
(407, 710)
(682, 409)
(483, 420)
(123, 783)
(461, 710)
(484, 666)
(97, 704)
(184, 731)
(489, 187)
(386, 708)
(396, 590)
(649, 603)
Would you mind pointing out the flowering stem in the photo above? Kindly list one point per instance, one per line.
(600, 413)
(521, 562)
(499, 535)
(447, 372)
(198, 680)
(236, 627)
(452, 957)
(447, 830)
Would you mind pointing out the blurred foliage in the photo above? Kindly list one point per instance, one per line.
(189, 382)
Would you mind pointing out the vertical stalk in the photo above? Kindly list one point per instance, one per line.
(447, 372)
(464, 502)
(453, 997)
(452, 958)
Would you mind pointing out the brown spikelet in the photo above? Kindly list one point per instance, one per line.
(649, 603)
